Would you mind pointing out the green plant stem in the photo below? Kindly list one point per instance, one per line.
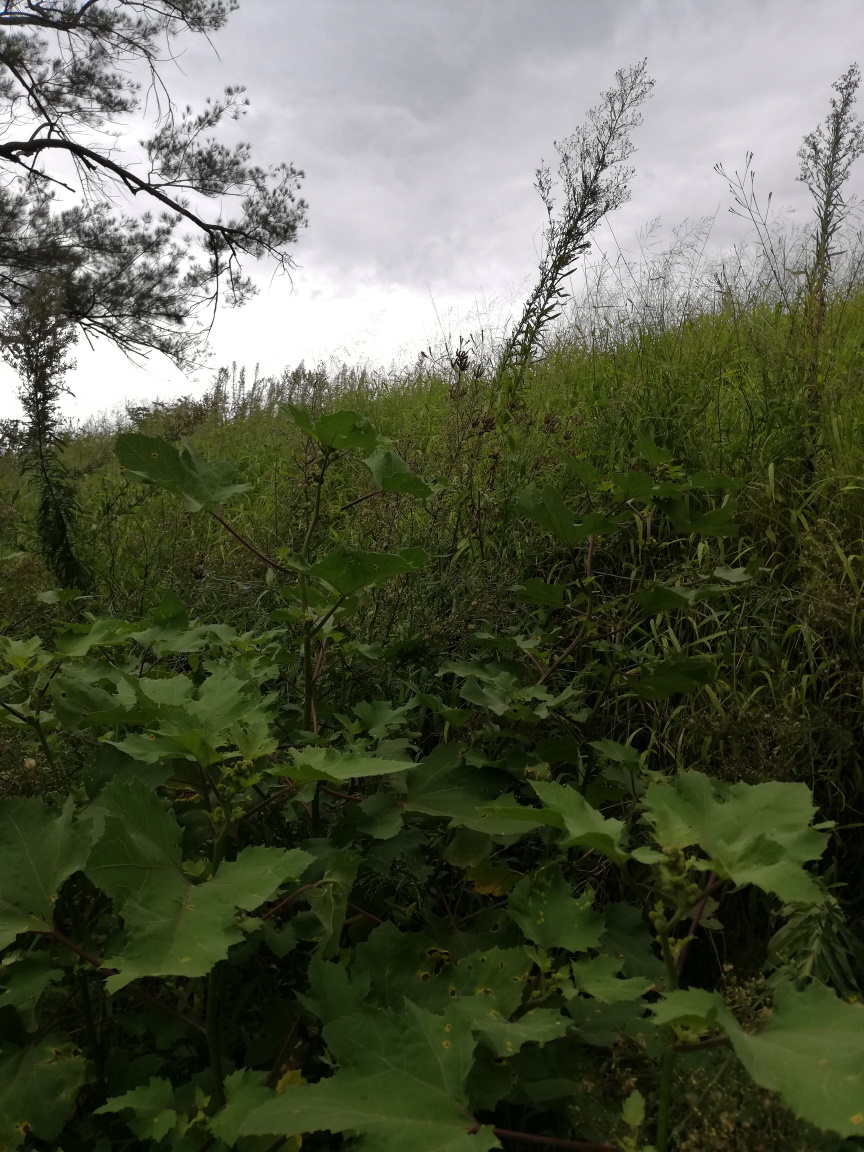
(213, 1022)
(33, 723)
(664, 1102)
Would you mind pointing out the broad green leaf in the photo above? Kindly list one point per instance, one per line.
(733, 575)
(24, 655)
(138, 852)
(380, 718)
(539, 592)
(38, 1088)
(337, 767)
(663, 598)
(185, 928)
(693, 1008)
(678, 674)
(812, 1052)
(347, 570)
(78, 639)
(39, 848)
(24, 982)
(329, 901)
(546, 910)
(395, 963)
(547, 508)
(400, 1085)
(635, 485)
(493, 980)
(336, 430)
(712, 481)
(583, 825)
(168, 630)
(392, 474)
(506, 1037)
(600, 977)
(153, 1115)
(626, 937)
(202, 484)
(443, 785)
(174, 926)
(653, 453)
(334, 993)
(717, 522)
(753, 833)
(245, 1090)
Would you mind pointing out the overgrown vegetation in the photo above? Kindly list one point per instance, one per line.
(449, 773)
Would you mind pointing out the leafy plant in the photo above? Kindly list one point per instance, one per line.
(301, 912)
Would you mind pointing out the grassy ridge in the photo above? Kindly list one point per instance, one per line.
(720, 392)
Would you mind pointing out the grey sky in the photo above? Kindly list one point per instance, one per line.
(420, 126)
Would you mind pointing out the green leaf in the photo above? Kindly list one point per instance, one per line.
(332, 992)
(633, 1110)
(336, 430)
(400, 1085)
(693, 1008)
(507, 1037)
(653, 453)
(338, 767)
(38, 1088)
(546, 910)
(174, 926)
(169, 630)
(583, 825)
(39, 848)
(347, 570)
(329, 900)
(25, 980)
(202, 484)
(392, 474)
(380, 718)
(151, 1105)
(635, 485)
(443, 785)
(245, 1090)
(717, 522)
(753, 833)
(812, 1052)
(78, 639)
(184, 928)
(547, 508)
(678, 674)
(600, 978)
(539, 592)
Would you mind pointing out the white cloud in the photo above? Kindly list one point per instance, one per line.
(420, 128)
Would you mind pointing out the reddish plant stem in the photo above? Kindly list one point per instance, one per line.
(262, 556)
(319, 663)
(553, 1141)
(273, 1075)
(134, 988)
(284, 903)
(341, 795)
(703, 1045)
(694, 923)
(360, 499)
(363, 912)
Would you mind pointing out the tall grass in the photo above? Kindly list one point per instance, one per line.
(705, 356)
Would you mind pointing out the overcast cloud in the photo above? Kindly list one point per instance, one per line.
(420, 127)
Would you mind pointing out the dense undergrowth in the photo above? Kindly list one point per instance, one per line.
(440, 690)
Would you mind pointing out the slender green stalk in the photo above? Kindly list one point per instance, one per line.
(213, 1020)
